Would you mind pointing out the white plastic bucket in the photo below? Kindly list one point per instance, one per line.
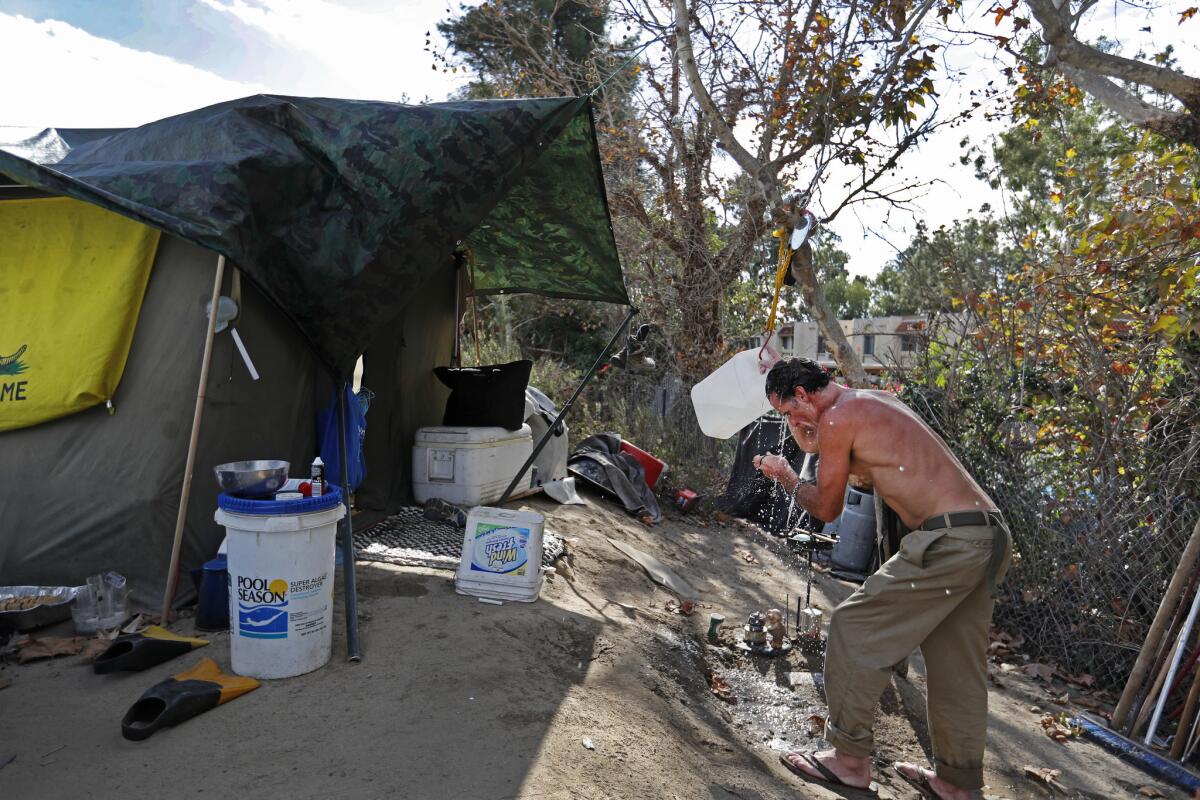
(281, 573)
(502, 555)
(733, 396)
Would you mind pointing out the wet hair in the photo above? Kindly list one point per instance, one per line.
(792, 373)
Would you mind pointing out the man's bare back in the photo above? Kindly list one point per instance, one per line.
(910, 466)
(873, 435)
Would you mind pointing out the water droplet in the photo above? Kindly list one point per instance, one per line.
(976, 502)
(947, 591)
(912, 585)
(902, 469)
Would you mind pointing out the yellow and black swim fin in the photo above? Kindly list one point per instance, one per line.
(182, 697)
(138, 651)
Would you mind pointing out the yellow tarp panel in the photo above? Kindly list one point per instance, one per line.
(72, 278)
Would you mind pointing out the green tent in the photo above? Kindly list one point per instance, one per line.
(344, 217)
(338, 209)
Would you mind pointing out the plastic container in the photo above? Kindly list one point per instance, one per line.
(856, 532)
(212, 607)
(317, 484)
(686, 500)
(281, 571)
(502, 555)
(101, 604)
(468, 466)
(654, 467)
(733, 396)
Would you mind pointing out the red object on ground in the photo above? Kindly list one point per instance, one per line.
(654, 467)
(686, 499)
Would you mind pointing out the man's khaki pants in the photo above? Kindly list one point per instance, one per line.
(935, 593)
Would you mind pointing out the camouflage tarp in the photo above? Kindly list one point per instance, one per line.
(336, 209)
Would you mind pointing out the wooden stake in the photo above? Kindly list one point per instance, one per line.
(1137, 676)
(1161, 674)
(186, 492)
(1142, 703)
(1182, 733)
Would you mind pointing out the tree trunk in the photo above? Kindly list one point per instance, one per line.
(843, 353)
(768, 182)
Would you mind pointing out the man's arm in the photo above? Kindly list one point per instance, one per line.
(826, 498)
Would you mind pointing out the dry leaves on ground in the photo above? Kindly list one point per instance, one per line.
(816, 725)
(723, 690)
(1150, 791)
(1102, 709)
(994, 679)
(5, 683)
(1057, 728)
(1043, 672)
(1004, 644)
(31, 649)
(1045, 775)
(675, 607)
(748, 557)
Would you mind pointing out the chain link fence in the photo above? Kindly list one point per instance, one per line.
(1094, 548)
(653, 410)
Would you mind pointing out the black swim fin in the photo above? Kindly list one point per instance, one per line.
(182, 697)
(137, 651)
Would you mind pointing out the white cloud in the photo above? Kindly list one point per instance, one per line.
(58, 75)
(344, 52)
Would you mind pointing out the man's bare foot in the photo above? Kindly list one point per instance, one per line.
(927, 781)
(850, 770)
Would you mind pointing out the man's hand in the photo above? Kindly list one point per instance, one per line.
(774, 467)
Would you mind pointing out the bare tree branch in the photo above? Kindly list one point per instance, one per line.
(1092, 70)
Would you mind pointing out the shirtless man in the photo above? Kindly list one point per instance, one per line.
(936, 593)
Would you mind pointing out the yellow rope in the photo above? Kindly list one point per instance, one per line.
(784, 264)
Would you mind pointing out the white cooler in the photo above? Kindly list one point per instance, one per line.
(469, 466)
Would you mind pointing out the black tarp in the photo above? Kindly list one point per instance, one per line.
(338, 209)
(754, 497)
(600, 460)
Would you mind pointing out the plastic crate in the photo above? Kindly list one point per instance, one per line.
(654, 467)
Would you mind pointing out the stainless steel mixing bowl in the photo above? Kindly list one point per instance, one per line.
(252, 479)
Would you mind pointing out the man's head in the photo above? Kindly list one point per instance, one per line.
(791, 385)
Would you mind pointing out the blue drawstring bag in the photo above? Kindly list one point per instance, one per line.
(356, 431)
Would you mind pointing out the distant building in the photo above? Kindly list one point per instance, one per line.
(882, 343)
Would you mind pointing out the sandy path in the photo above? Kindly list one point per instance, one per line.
(457, 699)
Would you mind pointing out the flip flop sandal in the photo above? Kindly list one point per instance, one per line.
(827, 775)
(920, 783)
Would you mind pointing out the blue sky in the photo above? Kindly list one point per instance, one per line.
(121, 63)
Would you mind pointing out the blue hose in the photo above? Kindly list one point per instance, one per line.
(1138, 756)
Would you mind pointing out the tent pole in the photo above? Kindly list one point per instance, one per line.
(578, 389)
(186, 492)
(353, 650)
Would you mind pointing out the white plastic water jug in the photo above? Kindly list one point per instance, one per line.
(733, 396)
(502, 555)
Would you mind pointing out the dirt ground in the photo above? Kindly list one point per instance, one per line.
(459, 699)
